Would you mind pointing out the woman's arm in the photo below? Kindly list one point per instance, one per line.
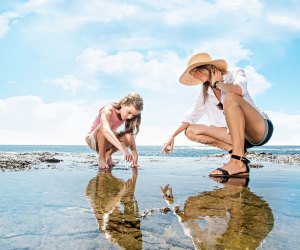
(237, 86)
(109, 134)
(135, 155)
(169, 143)
(230, 88)
(191, 117)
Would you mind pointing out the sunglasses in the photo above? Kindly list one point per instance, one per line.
(220, 106)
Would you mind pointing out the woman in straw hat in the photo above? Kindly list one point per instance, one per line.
(235, 122)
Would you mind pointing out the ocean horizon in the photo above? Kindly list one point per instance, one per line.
(152, 150)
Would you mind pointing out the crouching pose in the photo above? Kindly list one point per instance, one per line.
(103, 136)
(235, 122)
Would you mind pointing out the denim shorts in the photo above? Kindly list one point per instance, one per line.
(266, 137)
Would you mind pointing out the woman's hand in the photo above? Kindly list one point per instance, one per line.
(216, 75)
(134, 163)
(127, 156)
(168, 146)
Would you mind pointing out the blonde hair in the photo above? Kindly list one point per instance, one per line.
(208, 67)
(132, 126)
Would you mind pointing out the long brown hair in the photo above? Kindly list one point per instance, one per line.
(132, 125)
(208, 67)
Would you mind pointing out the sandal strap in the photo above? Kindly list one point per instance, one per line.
(241, 158)
(224, 172)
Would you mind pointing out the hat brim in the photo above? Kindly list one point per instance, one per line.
(187, 79)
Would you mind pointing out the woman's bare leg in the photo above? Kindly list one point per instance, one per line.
(209, 135)
(101, 145)
(126, 140)
(243, 121)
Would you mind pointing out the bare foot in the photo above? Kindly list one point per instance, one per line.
(103, 165)
(232, 167)
(110, 162)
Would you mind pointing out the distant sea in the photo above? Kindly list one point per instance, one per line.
(179, 151)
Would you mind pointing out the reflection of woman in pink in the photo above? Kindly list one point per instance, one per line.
(235, 122)
(116, 209)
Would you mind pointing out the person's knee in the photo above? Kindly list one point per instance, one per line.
(192, 132)
(189, 133)
(197, 134)
(128, 139)
(231, 99)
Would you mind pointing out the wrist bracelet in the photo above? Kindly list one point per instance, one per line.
(216, 85)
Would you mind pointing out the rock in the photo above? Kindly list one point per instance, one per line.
(50, 160)
(256, 165)
(165, 210)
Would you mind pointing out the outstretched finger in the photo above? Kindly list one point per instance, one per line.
(167, 151)
(163, 149)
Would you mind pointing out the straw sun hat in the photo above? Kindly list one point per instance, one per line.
(198, 60)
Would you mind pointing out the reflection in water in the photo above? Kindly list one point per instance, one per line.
(231, 217)
(116, 209)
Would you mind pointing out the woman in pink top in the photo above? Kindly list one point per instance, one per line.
(104, 138)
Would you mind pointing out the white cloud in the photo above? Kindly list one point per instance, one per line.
(229, 49)
(158, 136)
(208, 12)
(257, 83)
(286, 128)
(36, 6)
(155, 71)
(285, 21)
(54, 17)
(29, 120)
(70, 83)
(199, 17)
(5, 20)
(160, 71)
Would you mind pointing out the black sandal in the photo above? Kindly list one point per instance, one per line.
(225, 172)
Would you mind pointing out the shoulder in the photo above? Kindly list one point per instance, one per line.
(234, 73)
(107, 109)
(237, 71)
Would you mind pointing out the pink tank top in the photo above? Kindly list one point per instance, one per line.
(115, 123)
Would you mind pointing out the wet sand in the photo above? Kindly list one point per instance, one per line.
(61, 201)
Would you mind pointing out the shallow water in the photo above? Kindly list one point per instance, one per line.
(75, 207)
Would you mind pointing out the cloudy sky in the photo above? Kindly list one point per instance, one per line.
(61, 60)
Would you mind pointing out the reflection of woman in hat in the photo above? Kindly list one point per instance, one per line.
(116, 209)
(231, 217)
(235, 122)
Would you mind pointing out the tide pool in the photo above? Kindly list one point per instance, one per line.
(74, 206)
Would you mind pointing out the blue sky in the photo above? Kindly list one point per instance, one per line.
(61, 60)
